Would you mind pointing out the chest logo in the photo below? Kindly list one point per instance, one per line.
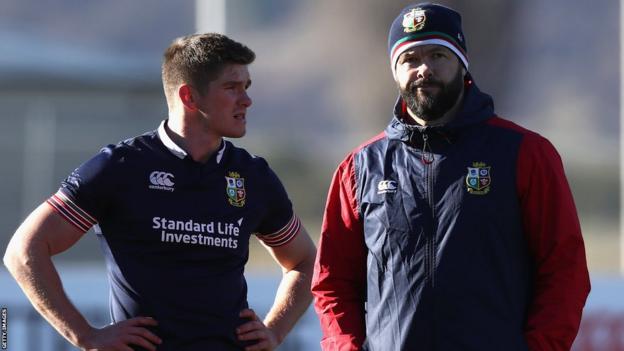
(414, 20)
(479, 180)
(235, 189)
(386, 186)
(161, 181)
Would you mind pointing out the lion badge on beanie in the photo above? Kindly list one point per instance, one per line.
(414, 20)
(426, 24)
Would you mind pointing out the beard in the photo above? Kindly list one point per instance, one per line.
(430, 106)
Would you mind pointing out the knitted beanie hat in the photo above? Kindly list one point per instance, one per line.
(426, 23)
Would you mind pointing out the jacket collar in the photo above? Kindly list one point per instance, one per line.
(477, 107)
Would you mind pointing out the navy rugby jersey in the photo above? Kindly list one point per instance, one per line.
(175, 232)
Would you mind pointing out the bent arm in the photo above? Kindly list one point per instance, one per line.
(296, 258)
(42, 235)
(28, 258)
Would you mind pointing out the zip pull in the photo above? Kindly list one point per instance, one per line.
(427, 155)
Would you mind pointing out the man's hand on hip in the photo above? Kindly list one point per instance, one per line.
(256, 330)
(118, 336)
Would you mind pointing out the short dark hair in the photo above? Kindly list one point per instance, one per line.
(199, 58)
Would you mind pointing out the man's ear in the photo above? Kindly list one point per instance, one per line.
(186, 93)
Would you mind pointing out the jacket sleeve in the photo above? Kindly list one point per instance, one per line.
(551, 225)
(339, 280)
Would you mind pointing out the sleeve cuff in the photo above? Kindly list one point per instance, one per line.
(284, 235)
(69, 210)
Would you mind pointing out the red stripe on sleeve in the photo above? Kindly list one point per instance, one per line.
(71, 212)
(284, 235)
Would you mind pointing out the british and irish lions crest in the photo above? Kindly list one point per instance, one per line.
(414, 20)
(478, 179)
(235, 189)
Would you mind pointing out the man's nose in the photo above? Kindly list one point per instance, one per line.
(424, 71)
(245, 100)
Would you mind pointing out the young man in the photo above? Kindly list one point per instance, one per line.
(454, 229)
(174, 210)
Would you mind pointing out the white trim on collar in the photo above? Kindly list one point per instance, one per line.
(170, 144)
(177, 150)
(221, 151)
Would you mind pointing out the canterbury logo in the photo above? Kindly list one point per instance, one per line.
(161, 180)
(386, 186)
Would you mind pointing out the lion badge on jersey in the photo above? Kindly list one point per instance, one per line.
(414, 20)
(478, 179)
(235, 189)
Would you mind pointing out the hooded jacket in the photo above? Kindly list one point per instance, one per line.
(458, 237)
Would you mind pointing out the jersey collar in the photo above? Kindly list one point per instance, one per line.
(170, 144)
(176, 149)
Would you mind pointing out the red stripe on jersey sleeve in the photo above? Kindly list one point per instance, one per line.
(71, 212)
(284, 235)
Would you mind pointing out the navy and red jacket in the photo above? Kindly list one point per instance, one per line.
(457, 237)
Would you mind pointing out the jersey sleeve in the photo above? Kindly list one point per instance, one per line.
(551, 225)
(339, 280)
(83, 197)
(280, 224)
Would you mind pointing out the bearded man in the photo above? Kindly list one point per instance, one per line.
(454, 229)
